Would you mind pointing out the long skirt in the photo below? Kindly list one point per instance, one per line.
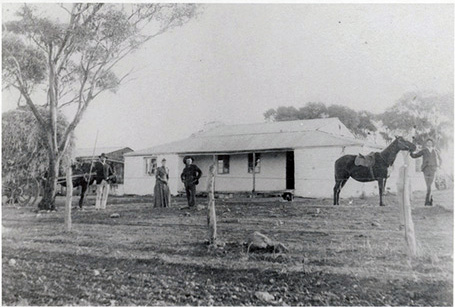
(162, 194)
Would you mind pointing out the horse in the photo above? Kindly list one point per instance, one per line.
(81, 178)
(375, 169)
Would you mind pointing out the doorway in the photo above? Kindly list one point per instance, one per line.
(290, 170)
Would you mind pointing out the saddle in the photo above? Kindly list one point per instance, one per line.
(365, 160)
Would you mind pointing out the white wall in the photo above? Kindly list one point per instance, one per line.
(271, 177)
(139, 183)
(314, 173)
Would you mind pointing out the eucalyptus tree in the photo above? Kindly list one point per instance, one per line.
(73, 61)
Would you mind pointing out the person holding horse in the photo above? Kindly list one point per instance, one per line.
(104, 174)
(190, 177)
(431, 162)
(374, 167)
(161, 190)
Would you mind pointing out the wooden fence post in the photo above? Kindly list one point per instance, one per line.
(253, 192)
(404, 199)
(211, 213)
(69, 197)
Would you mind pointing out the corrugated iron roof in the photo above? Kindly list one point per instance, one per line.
(251, 142)
(319, 124)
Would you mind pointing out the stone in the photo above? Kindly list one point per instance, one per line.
(96, 272)
(12, 262)
(115, 216)
(259, 241)
(264, 296)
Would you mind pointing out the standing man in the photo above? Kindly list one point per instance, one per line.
(431, 162)
(190, 177)
(104, 174)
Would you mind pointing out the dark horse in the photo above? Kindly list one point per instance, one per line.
(81, 178)
(345, 167)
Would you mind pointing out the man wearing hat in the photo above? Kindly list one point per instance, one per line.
(190, 177)
(104, 174)
(430, 163)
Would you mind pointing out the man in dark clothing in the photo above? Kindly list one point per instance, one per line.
(431, 162)
(104, 174)
(190, 177)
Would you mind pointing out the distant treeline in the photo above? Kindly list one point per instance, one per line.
(415, 115)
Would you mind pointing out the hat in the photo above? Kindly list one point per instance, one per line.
(188, 157)
(103, 155)
(164, 159)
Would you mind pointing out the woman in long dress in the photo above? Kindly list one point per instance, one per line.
(161, 191)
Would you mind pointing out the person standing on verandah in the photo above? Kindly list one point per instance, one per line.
(104, 174)
(431, 162)
(190, 177)
(161, 192)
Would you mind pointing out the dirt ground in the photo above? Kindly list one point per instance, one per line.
(352, 254)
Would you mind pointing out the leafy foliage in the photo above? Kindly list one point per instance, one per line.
(421, 115)
(24, 151)
(360, 123)
(73, 62)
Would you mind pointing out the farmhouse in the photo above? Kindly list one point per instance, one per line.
(264, 157)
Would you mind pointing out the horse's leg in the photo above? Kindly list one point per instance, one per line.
(343, 182)
(339, 184)
(336, 188)
(381, 189)
(84, 186)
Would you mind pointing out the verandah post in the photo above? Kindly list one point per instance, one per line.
(254, 175)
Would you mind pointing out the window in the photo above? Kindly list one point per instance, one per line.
(150, 166)
(223, 164)
(257, 163)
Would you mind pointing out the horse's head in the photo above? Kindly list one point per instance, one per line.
(402, 144)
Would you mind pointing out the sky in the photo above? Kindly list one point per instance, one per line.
(235, 61)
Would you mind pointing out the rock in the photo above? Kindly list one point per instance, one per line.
(259, 241)
(200, 207)
(12, 262)
(115, 216)
(264, 296)
(96, 272)
(375, 224)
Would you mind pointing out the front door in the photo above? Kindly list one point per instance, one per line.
(290, 170)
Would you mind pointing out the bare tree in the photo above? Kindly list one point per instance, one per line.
(74, 61)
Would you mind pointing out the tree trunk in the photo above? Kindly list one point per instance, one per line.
(50, 189)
